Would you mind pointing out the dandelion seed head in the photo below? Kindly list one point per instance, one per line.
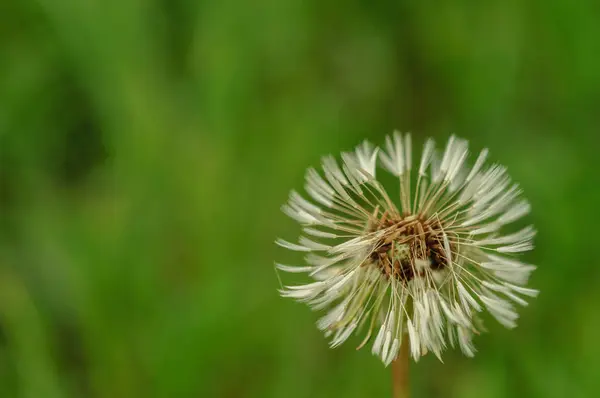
(422, 265)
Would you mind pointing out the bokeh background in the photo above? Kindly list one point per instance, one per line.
(147, 145)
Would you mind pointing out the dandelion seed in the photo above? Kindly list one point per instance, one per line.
(418, 270)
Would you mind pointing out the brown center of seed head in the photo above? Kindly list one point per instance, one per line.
(408, 247)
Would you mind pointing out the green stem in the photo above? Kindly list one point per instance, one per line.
(400, 374)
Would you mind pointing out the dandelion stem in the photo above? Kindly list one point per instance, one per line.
(400, 382)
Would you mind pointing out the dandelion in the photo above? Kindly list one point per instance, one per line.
(413, 272)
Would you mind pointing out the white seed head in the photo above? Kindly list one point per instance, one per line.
(422, 266)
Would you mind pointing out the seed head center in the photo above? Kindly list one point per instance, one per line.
(409, 247)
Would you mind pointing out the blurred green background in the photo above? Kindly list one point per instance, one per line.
(146, 146)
